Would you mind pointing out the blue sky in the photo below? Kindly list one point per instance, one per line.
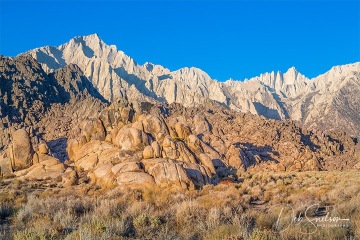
(237, 39)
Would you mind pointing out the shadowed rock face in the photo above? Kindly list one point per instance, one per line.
(27, 91)
(326, 102)
(46, 105)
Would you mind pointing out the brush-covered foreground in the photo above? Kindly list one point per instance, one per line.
(258, 207)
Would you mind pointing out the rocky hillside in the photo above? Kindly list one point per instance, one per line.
(134, 144)
(46, 105)
(326, 102)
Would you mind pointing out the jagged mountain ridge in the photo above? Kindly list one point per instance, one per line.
(274, 95)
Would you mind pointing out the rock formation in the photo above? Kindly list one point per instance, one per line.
(174, 146)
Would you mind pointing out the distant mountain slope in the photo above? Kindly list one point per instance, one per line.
(324, 102)
(330, 101)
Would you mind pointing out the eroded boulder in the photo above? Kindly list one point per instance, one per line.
(201, 124)
(135, 179)
(43, 148)
(69, 178)
(47, 168)
(168, 173)
(20, 150)
(148, 152)
(155, 126)
(182, 130)
(129, 138)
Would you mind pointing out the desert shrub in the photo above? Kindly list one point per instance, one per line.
(264, 234)
(79, 206)
(267, 196)
(137, 208)
(34, 234)
(108, 207)
(186, 212)
(146, 224)
(298, 233)
(24, 214)
(65, 220)
(265, 220)
(227, 232)
(256, 192)
(213, 217)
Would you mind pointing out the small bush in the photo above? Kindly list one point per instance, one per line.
(265, 234)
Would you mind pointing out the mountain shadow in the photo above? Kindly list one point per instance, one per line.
(265, 111)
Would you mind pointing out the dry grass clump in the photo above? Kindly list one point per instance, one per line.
(233, 211)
